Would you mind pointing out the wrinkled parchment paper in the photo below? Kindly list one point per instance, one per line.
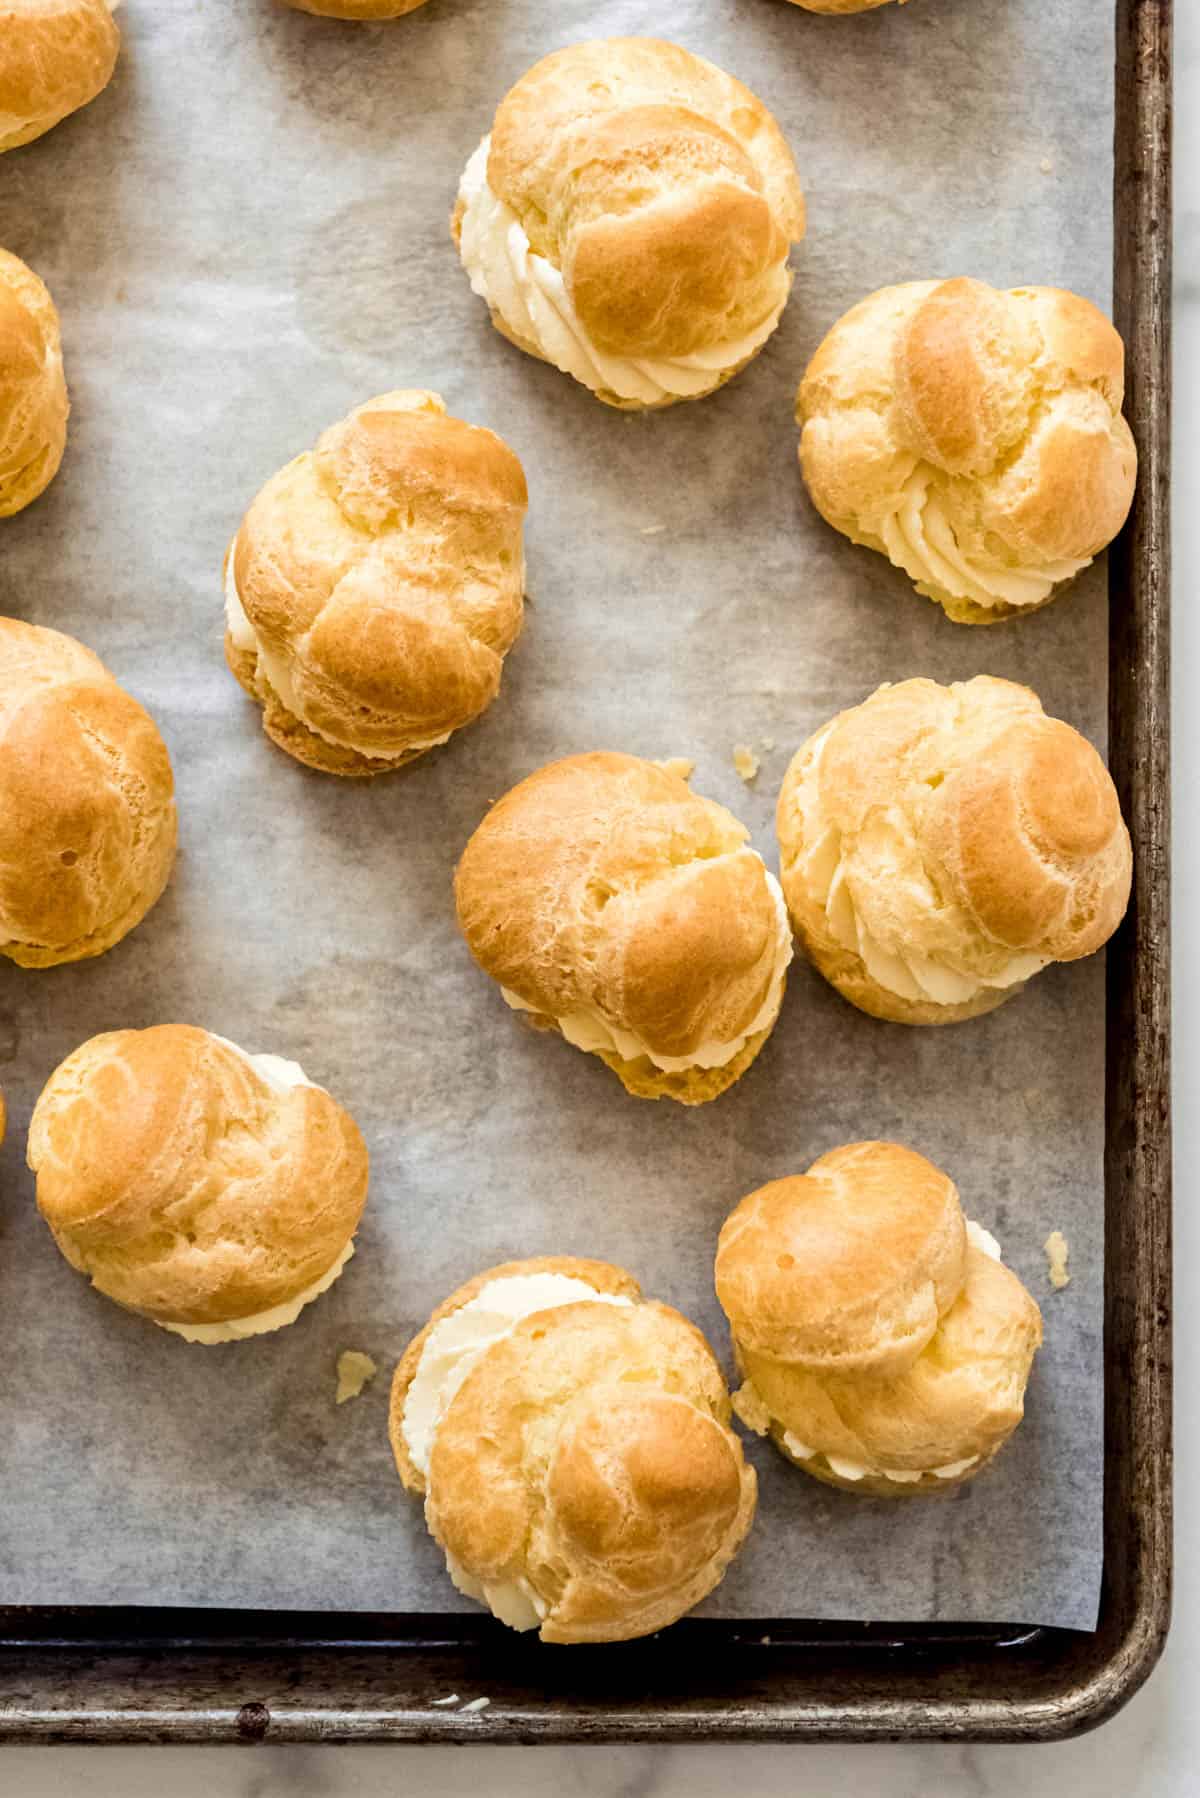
(247, 235)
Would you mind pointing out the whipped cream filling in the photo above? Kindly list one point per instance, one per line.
(281, 1075)
(530, 295)
(455, 1344)
(451, 1350)
(245, 638)
(895, 967)
(919, 538)
(236, 1329)
(755, 1414)
(512, 1601)
(591, 1030)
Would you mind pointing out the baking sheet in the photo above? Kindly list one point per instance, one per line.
(247, 235)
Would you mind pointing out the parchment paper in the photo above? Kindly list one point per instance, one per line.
(247, 235)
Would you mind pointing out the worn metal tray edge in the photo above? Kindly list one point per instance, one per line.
(162, 1676)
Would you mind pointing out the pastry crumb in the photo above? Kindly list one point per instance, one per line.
(354, 1369)
(651, 530)
(1046, 166)
(745, 761)
(678, 764)
(1057, 1250)
(750, 1408)
(768, 744)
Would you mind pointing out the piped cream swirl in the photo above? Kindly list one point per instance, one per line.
(836, 883)
(531, 297)
(919, 538)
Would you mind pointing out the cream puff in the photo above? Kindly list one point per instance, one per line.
(214, 1192)
(941, 845)
(376, 584)
(571, 1441)
(33, 389)
(629, 219)
(87, 802)
(884, 1346)
(55, 56)
(972, 436)
(616, 906)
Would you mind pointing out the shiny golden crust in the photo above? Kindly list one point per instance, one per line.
(847, 1267)
(186, 1187)
(588, 1454)
(1007, 403)
(869, 1328)
(601, 1275)
(87, 802)
(660, 186)
(366, 10)
(383, 576)
(33, 391)
(603, 884)
(969, 827)
(55, 56)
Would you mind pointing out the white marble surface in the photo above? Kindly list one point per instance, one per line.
(1152, 1750)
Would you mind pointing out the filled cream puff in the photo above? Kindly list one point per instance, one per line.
(884, 1346)
(55, 56)
(972, 436)
(571, 1441)
(941, 845)
(33, 389)
(212, 1191)
(629, 219)
(616, 906)
(87, 802)
(376, 584)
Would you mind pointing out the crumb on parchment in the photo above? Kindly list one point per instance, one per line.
(745, 761)
(354, 1369)
(678, 764)
(1057, 1249)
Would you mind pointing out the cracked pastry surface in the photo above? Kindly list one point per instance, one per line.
(613, 904)
(885, 1348)
(33, 389)
(376, 584)
(55, 56)
(571, 1441)
(629, 219)
(87, 802)
(973, 436)
(941, 845)
(212, 1191)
